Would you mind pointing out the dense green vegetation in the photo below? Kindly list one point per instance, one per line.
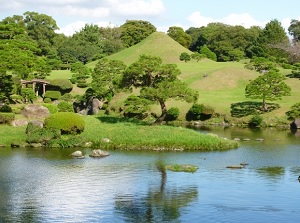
(221, 74)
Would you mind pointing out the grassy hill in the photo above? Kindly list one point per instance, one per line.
(220, 85)
(157, 44)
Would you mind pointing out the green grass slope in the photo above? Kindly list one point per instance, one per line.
(157, 44)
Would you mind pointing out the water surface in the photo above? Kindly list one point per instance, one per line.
(46, 185)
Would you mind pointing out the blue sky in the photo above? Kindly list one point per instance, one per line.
(72, 15)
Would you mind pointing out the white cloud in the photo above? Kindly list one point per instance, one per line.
(9, 5)
(71, 28)
(137, 7)
(243, 19)
(98, 12)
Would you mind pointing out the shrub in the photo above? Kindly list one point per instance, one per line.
(6, 118)
(194, 112)
(54, 95)
(47, 100)
(6, 109)
(66, 97)
(185, 57)
(64, 106)
(136, 107)
(51, 107)
(255, 121)
(61, 85)
(36, 134)
(200, 112)
(294, 112)
(66, 122)
(82, 83)
(172, 114)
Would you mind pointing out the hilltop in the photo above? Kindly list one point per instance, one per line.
(157, 44)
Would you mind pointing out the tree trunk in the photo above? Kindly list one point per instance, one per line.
(163, 112)
(265, 107)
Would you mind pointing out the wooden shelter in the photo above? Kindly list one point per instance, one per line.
(36, 83)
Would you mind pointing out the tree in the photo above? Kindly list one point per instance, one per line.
(208, 53)
(198, 56)
(178, 34)
(134, 31)
(107, 77)
(6, 86)
(269, 86)
(294, 113)
(111, 40)
(41, 28)
(159, 82)
(185, 57)
(294, 29)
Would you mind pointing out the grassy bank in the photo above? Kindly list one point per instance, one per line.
(124, 134)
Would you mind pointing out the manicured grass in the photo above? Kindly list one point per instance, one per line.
(9, 134)
(129, 135)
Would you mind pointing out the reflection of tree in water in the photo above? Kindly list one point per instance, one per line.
(158, 205)
(271, 172)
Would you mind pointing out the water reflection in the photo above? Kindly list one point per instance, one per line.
(160, 204)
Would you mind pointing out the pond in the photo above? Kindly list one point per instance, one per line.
(46, 185)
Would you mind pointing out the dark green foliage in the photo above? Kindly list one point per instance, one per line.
(136, 107)
(82, 83)
(178, 34)
(62, 85)
(185, 57)
(51, 107)
(6, 86)
(67, 122)
(6, 118)
(6, 109)
(36, 134)
(28, 95)
(255, 121)
(208, 53)
(53, 95)
(294, 29)
(200, 112)
(71, 141)
(197, 56)
(172, 114)
(134, 31)
(294, 112)
(64, 106)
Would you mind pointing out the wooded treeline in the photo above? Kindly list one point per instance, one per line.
(31, 47)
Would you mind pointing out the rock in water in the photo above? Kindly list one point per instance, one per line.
(99, 153)
(77, 154)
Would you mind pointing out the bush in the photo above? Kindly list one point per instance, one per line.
(66, 122)
(54, 95)
(6, 109)
(82, 83)
(61, 85)
(172, 114)
(200, 112)
(6, 118)
(294, 112)
(51, 107)
(255, 121)
(47, 100)
(66, 97)
(64, 106)
(36, 134)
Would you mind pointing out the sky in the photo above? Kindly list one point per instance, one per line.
(72, 15)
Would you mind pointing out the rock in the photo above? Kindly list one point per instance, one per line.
(19, 122)
(236, 139)
(77, 154)
(244, 164)
(36, 145)
(246, 139)
(99, 153)
(295, 124)
(1, 145)
(37, 123)
(236, 166)
(107, 140)
(259, 139)
(35, 111)
(96, 105)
